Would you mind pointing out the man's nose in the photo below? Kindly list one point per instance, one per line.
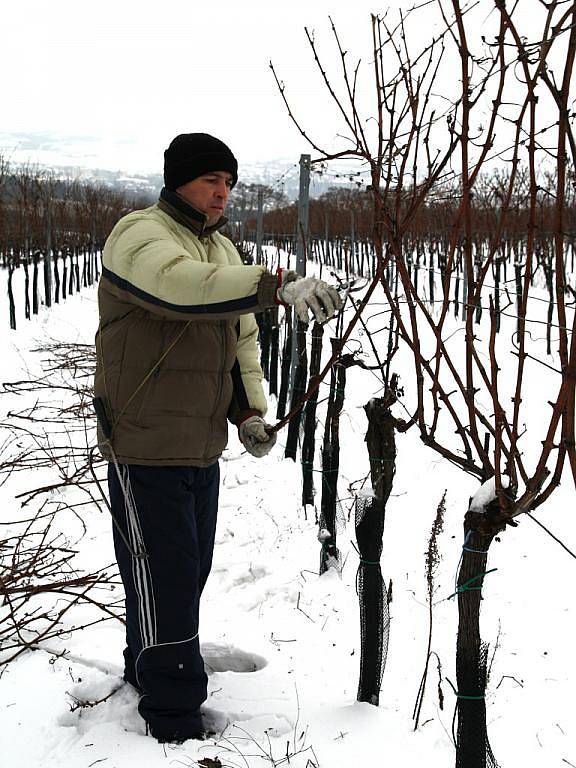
(222, 190)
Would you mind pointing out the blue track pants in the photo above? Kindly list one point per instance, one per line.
(170, 512)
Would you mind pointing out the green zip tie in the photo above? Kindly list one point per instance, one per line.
(464, 696)
(469, 698)
(369, 562)
(465, 587)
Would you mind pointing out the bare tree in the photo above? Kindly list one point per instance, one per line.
(413, 144)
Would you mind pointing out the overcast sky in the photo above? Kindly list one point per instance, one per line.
(115, 81)
(108, 84)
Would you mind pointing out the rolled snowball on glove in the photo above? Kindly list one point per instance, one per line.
(254, 437)
(309, 293)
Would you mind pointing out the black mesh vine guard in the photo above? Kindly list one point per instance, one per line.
(285, 365)
(327, 525)
(298, 390)
(308, 443)
(473, 748)
(373, 599)
(274, 348)
(472, 745)
(369, 523)
(264, 337)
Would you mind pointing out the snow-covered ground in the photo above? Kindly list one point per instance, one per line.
(282, 644)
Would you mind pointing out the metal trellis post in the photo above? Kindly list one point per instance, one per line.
(259, 226)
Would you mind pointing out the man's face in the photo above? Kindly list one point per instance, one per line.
(208, 193)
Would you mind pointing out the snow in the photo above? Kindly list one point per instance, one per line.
(282, 645)
(324, 534)
(486, 494)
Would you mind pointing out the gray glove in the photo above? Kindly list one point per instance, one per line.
(309, 293)
(254, 437)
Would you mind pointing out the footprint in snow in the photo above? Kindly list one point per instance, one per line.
(101, 698)
(233, 480)
(228, 658)
(118, 705)
(253, 725)
(254, 573)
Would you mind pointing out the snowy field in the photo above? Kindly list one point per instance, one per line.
(281, 644)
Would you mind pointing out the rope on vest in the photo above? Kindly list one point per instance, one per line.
(108, 432)
(128, 498)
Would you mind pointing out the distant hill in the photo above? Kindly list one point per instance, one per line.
(77, 157)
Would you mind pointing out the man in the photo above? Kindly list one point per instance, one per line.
(177, 356)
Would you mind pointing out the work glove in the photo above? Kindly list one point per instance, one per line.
(308, 293)
(254, 438)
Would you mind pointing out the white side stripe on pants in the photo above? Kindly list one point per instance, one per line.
(140, 566)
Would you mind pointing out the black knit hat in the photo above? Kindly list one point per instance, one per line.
(193, 154)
